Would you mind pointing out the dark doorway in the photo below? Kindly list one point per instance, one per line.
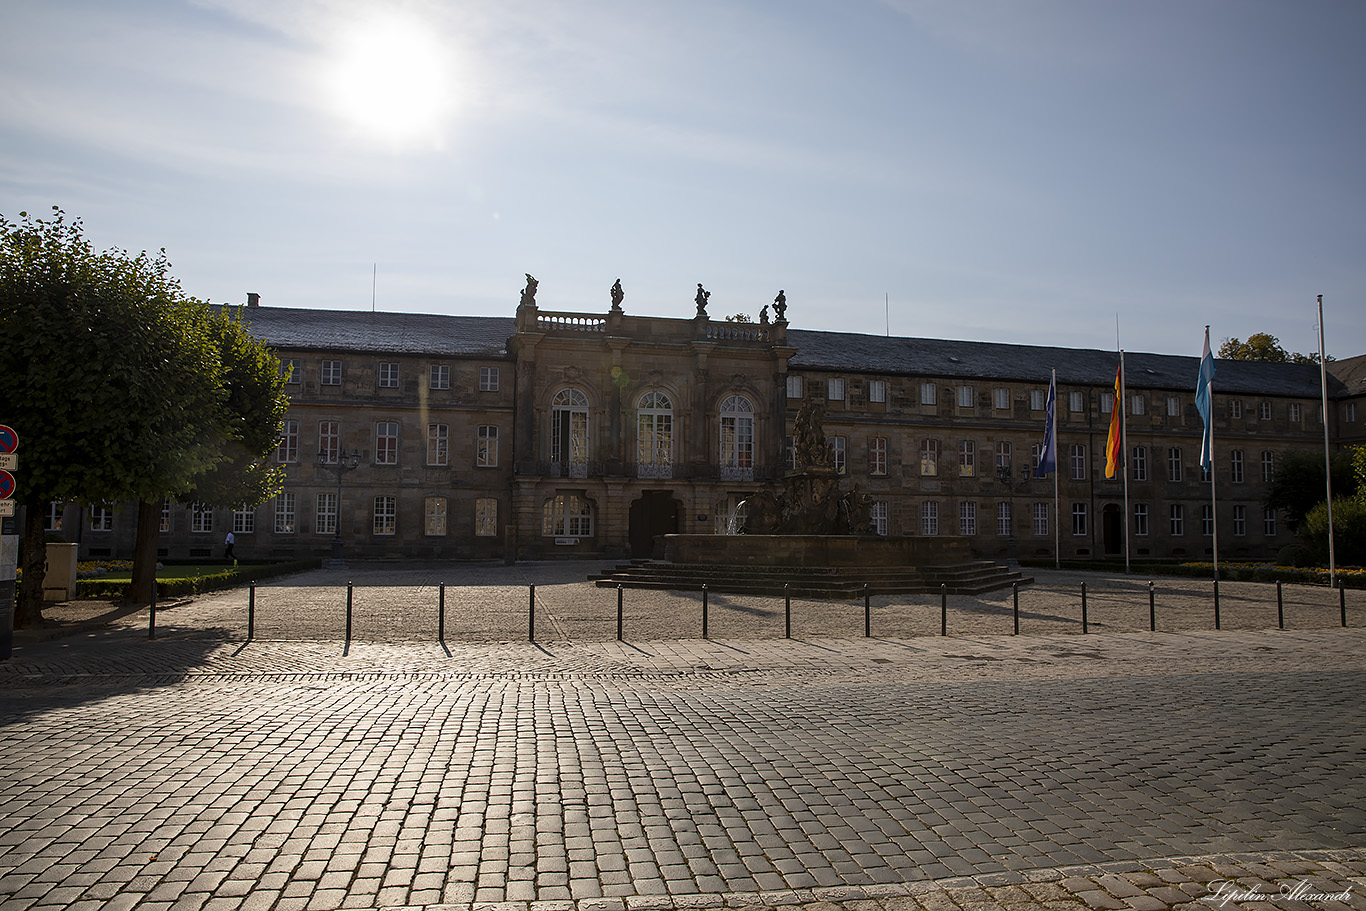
(1112, 525)
(655, 513)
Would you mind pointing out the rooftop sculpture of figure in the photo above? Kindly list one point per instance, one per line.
(763, 315)
(617, 295)
(529, 292)
(780, 305)
(702, 296)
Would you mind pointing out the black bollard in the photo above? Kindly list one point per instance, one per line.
(441, 612)
(1152, 609)
(867, 613)
(943, 608)
(531, 617)
(1083, 607)
(349, 587)
(1280, 607)
(787, 611)
(704, 610)
(1015, 596)
(251, 610)
(152, 615)
(1342, 603)
(619, 611)
(1216, 604)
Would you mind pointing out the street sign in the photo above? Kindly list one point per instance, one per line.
(6, 507)
(9, 440)
(6, 485)
(9, 461)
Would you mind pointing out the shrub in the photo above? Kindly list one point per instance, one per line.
(1349, 531)
(1294, 555)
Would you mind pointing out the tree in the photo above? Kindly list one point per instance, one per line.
(1262, 346)
(112, 376)
(1298, 484)
(739, 318)
(1349, 531)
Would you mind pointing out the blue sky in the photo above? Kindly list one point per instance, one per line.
(1005, 170)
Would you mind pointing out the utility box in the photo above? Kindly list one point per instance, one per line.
(59, 583)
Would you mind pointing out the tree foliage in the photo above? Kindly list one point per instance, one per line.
(1299, 485)
(1262, 346)
(1349, 531)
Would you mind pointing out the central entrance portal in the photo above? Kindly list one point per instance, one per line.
(655, 513)
(1112, 528)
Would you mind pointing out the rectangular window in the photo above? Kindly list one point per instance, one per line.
(567, 515)
(1079, 461)
(1269, 522)
(1002, 397)
(1207, 520)
(329, 441)
(1107, 403)
(284, 514)
(791, 450)
(291, 370)
(877, 390)
(1268, 466)
(1174, 471)
(1349, 413)
(386, 443)
(1178, 520)
(1003, 456)
(1035, 455)
(1076, 402)
(967, 459)
(488, 379)
(1235, 409)
(485, 517)
(244, 521)
(965, 397)
(1038, 399)
(794, 387)
(201, 518)
(878, 513)
(388, 375)
(1139, 465)
(834, 389)
(1264, 411)
(1236, 466)
(929, 394)
(1079, 520)
(929, 458)
(838, 448)
(1295, 412)
(386, 515)
(434, 516)
(440, 377)
(1239, 521)
(486, 446)
(1173, 406)
(101, 518)
(325, 514)
(929, 518)
(332, 373)
(1137, 405)
(1141, 520)
(438, 444)
(967, 518)
(877, 456)
(165, 517)
(1003, 519)
(1041, 519)
(288, 450)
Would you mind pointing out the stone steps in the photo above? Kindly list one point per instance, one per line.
(972, 578)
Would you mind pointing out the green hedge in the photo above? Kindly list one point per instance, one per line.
(228, 577)
(1232, 572)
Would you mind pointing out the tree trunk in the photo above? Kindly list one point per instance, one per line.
(28, 608)
(145, 553)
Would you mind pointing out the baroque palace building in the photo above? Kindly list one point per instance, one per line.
(556, 434)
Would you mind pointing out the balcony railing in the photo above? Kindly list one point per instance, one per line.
(572, 323)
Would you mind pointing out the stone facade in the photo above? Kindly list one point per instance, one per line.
(558, 434)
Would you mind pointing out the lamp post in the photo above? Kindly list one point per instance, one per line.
(1011, 484)
(345, 461)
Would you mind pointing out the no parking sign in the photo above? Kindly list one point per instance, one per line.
(6, 485)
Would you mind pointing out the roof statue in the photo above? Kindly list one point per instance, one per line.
(529, 292)
(702, 296)
(617, 296)
(780, 306)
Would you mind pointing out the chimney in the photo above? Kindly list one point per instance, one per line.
(253, 299)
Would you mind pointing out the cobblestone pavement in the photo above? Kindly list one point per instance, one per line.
(1123, 769)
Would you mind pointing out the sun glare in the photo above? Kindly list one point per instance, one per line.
(393, 79)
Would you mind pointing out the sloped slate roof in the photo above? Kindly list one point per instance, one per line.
(1027, 363)
(1351, 372)
(292, 329)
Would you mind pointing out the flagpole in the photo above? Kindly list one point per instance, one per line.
(1057, 509)
(1213, 497)
(1327, 456)
(1124, 456)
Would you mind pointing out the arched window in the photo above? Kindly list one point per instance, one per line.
(569, 433)
(654, 436)
(567, 515)
(737, 439)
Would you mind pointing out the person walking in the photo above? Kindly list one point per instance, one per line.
(227, 549)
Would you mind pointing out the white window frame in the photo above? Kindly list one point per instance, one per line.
(1239, 521)
(1236, 466)
(438, 444)
(1003, 519)
(285, 514)
(834, 389)
(967, 397)
(386, 442)
(1040, 516)
(388, 374)
(929, 518)
(330, 374)
(288, 450)
(486, 517)
(1138, 405)
(877, 391)
(1176, 471)
(1207, 520)
(1296, 413)
(1079, 520)
(736, 438)
(1076, 402)
(329, 441)
(1268, 466)
(1077, 462)
(929, 394)
(201, 519)
(1264, 410)
(486, 446)
(794, 387)
(325, 514)
(1002, 399)
(1107, 403)
(291, 370)
(1268, 522)
(654, 435)
(1349, 413)
(434, 510)
(877, 456)
(1139, 465)
(967, 459)
(967, 517)
(1141, 520)
(385, 515)
(1173, 406)
(929, 458)
(489, 378)
(1235, 409)
(1005, 455)
(569, 428)
(1177, 519)
(244, 520)
(101, 518)
(839, 451)
(877, 513)
(1038, 399)
(567, 515)
(439, 377)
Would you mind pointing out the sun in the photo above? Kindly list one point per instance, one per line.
(393, 79)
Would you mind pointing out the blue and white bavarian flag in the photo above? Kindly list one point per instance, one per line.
(1048, 457)
(1204, 403)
